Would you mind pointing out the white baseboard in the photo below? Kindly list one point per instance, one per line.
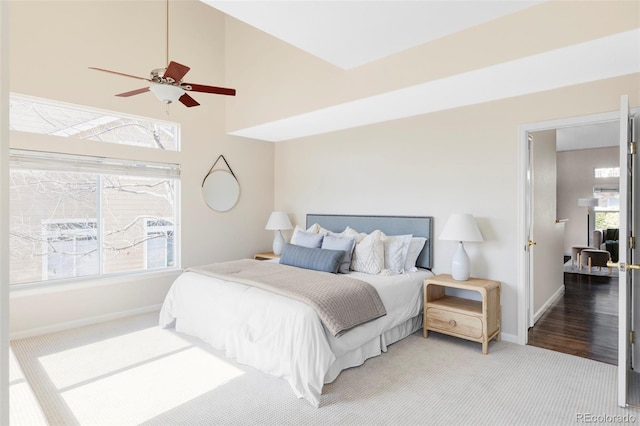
(507, 337)
(550, 302)
(81, 322)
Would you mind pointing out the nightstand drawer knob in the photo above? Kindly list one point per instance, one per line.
(452, 323)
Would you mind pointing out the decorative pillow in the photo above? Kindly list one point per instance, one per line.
(350, 232)
(395, 252)
(308, 239)
(323, 231)
(415, 247)
(368, 255)
(311, 258)
(312, 229)
(334, 242)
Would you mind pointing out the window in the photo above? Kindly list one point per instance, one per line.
(159, 250)
(70, 249)
(77, 216)
(607, 211)
(47, 117)
(606, 172)
(74, 216)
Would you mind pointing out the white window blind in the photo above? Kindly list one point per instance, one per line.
(35, 160)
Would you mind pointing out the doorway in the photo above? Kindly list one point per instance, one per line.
(530, 312)
(575, 309)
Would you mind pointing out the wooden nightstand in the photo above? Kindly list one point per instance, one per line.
(266, 256)
(474, 320)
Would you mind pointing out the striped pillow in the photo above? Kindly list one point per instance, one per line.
(312, 258)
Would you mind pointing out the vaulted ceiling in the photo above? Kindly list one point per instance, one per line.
(351, 33)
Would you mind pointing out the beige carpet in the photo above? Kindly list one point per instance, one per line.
(131, 372)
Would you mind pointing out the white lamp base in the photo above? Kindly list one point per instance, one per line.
(278, 243)
(460, 264)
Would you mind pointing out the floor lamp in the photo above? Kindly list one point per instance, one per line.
(588, 203)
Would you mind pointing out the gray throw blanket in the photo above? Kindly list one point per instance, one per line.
(340, 301)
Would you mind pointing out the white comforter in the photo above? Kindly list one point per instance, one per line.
(284, 337)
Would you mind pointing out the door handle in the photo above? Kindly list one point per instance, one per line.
(531, 243)
(627, 266)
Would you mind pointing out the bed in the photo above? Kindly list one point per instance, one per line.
(285, 337)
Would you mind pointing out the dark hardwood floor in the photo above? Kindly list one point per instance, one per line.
(584, 321)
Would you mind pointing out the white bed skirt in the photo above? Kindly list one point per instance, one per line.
(373, 347)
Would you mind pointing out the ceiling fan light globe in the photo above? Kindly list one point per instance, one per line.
(166, 93)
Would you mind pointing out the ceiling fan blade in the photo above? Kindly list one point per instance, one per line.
(133, 92)
(176, 71)
(119, 73)
(211, 89)
(188, 100)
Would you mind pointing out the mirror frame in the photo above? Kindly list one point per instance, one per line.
(220, 190)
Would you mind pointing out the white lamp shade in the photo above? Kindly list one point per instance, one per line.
(587, 202)
(166, 93)
(461, 227)
(278, 221)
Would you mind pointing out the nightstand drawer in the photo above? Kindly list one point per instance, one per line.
(454, 322)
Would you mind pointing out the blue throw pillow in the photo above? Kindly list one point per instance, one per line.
(334, 242)
(311, 258)
(308, 239)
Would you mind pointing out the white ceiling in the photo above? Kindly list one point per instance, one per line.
(588, 136)
(349, 33)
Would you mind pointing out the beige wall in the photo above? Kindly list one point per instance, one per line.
(575, 180)
(52, 44)
(463, 160)
(4, 208)
(279, 80)
(546, 265)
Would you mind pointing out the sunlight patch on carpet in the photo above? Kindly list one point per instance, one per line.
(122, 380)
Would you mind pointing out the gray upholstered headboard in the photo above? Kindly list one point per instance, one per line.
(419, 226)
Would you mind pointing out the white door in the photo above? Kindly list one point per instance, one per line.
(546, 274)
(629, 262)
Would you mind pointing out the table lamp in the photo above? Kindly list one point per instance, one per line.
(588, 203)
(277, 222)
(461, 227)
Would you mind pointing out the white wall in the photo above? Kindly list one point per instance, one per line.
(576, 180)
(52, 45)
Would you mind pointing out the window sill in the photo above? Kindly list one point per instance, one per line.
(29, 289)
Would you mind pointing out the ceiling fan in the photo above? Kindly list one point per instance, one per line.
(167, 84)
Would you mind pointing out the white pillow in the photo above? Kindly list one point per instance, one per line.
(396, 248)
(368, 255)
(312, 229)
(350, 232)
(323, 231)
(415, 247)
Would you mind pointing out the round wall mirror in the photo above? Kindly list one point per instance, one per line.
(220, 190)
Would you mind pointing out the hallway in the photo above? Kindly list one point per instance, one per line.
(583, 321)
